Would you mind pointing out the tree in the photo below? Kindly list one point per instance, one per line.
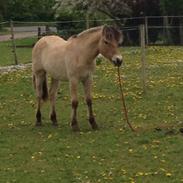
(172, 8)
(169, 7)
(30, 10)
(115, 9)
(3, 8)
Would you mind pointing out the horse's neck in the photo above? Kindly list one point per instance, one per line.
(89, 47)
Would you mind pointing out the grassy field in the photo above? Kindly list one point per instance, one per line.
(113, 153)
(23, 53)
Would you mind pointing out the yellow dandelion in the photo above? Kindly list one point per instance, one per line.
(168, 174)
(49, 136)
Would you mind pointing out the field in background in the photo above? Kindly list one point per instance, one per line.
(24, 48)
(112, 154)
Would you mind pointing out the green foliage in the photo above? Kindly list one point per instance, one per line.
(3, 8)
(69, 25)
(1, 19)
(170, 7)
(30, 10)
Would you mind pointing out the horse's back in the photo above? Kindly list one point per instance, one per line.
(43, 48)
(47, 42)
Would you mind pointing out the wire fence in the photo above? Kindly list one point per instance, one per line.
(159, 30)
(18, 38)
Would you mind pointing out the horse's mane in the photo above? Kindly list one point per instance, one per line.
(110, 29)
(89, 31)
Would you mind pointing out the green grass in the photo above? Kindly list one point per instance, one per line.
(23, 54)
(4, 31)
(112, 154)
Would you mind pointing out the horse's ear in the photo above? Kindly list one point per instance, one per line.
(118, 34)
(106, 32)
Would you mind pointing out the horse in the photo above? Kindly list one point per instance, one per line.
(72, 60)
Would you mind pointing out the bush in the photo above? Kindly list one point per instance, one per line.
(68, 25)
(1, 19)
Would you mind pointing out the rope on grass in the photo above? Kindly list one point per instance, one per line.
(123, 101)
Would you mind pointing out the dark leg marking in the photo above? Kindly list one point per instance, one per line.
(91, 116)
(93, 123)
(74, 122)
(53, 118)
(38, 118)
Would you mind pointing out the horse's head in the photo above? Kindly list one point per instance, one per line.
(108, 46)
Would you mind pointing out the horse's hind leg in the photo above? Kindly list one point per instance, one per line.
(40, 84)
(87, 89)
(52, 94)
(38, 113)
(74, 99)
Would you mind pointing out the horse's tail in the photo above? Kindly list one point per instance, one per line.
(44, 87)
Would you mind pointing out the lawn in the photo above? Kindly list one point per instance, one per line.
(112, 154)
(23, 52)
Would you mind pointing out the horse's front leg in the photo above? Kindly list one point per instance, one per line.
(74, 101)
(87, 89)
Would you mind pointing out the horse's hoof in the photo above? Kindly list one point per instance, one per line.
(95, 126)
(55, 124)
(181, 130)
(38, 124)
(75, 128)
(93, 123)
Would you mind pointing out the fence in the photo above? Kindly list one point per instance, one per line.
(19, 37)
(166, 30)
(158, 29)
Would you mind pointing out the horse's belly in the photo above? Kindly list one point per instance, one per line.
(56, 69)
(59, 74)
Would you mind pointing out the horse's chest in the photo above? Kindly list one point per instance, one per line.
(79, 68)
(83, 72)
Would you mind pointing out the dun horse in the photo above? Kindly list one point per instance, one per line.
(72, 60)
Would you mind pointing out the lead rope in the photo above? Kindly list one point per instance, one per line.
(123, 101)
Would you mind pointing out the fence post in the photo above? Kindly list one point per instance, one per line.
(143, 62)
(38, 33)
(167, 35)
(13, 42)
(181, 30)
(146, 31)
(47, 29)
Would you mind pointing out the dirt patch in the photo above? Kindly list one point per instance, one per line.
(12, 68)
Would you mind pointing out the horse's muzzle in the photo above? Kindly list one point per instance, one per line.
(117, 62)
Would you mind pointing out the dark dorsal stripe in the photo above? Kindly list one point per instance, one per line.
(89, 31)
